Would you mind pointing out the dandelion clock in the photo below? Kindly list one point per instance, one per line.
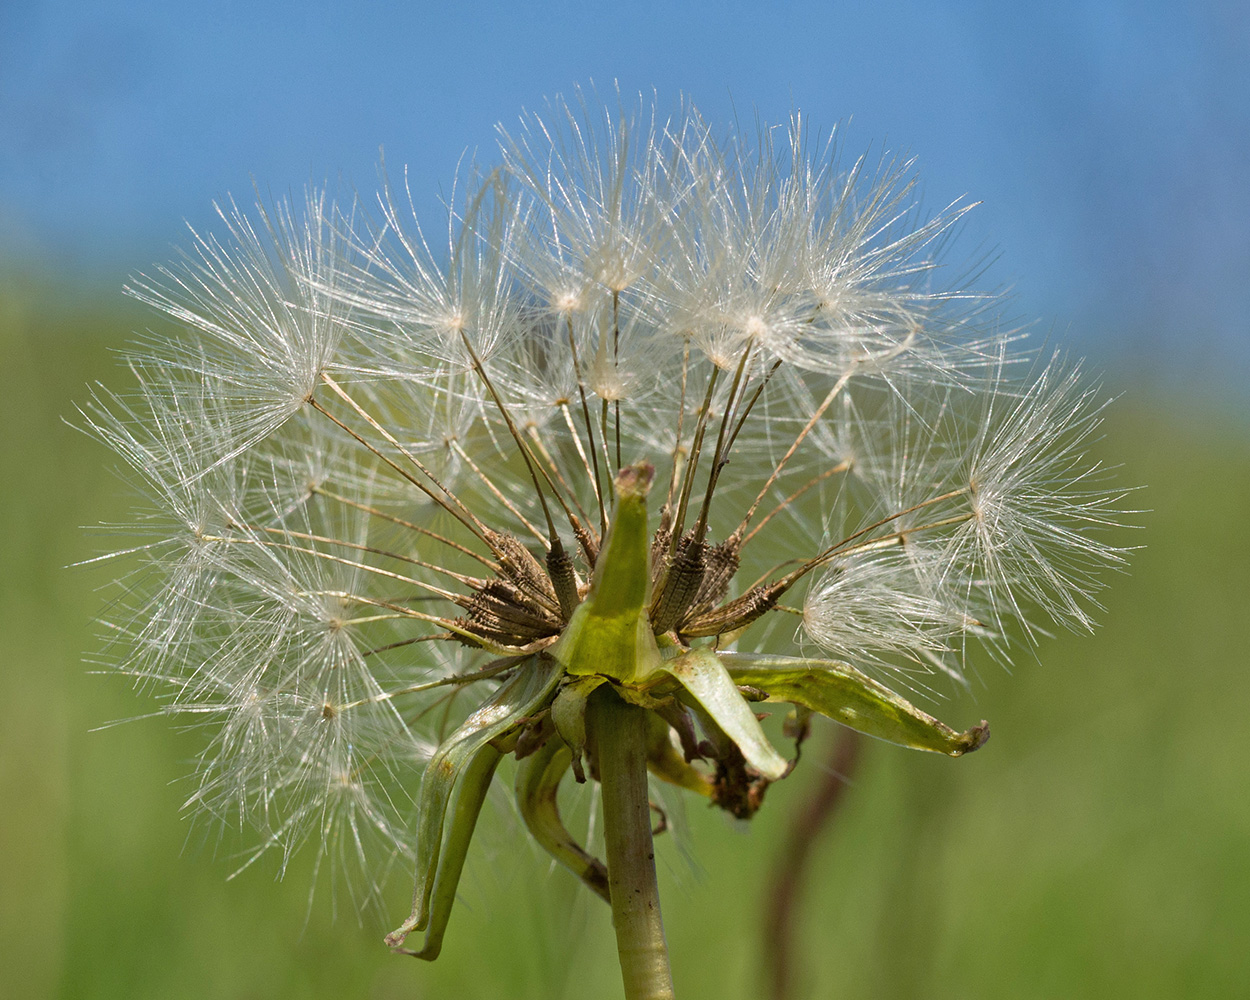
(662, 426)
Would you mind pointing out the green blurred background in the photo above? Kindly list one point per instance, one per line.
(1097, 847)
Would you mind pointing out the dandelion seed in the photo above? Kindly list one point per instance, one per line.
(666, 413)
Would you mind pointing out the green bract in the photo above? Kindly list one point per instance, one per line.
(609, 641)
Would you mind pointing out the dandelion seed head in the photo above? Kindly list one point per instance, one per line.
(380, 469)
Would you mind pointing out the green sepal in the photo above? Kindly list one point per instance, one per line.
(470, 795)
(537, 783)
(667, 764)
(522, 695)
(610, 632)
(842, 693)
(568, 713)
(702, 674)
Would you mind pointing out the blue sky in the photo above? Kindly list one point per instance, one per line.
(1108, 142)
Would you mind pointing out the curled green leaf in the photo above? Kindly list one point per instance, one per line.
(522, 695)
(537, 782)
(471, 794)
(667, 764)
(701, 673)
(842, 693)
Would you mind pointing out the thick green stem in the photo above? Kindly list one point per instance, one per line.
(619, 731)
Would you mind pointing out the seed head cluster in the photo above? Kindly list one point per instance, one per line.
(379, 468)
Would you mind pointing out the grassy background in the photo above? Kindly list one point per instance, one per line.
(1098, 847)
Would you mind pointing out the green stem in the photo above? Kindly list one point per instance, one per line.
(620, 734)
